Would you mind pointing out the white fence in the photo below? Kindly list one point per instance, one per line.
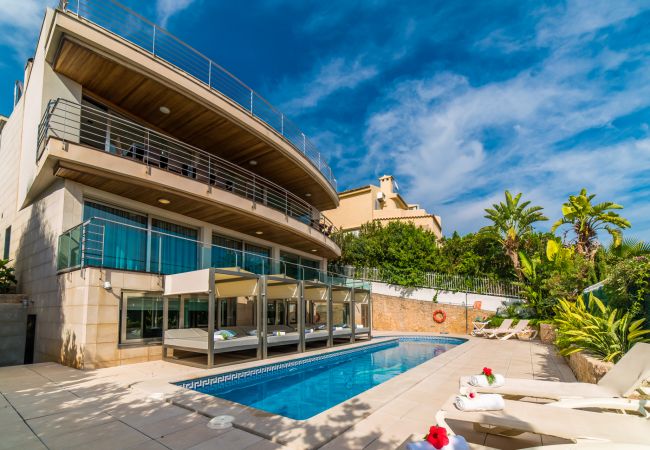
(438, 281)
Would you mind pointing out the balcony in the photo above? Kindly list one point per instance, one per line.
(144, 67)
(109, 244)
(114, 154)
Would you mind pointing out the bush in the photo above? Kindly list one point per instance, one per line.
(628, 285)
(597, 329)
(7, 278)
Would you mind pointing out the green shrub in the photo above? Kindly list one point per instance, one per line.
(597, 329)
(628, 285)
(7, 278)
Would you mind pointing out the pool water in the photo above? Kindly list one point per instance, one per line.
(301, 392)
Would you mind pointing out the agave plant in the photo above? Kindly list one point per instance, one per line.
(593, 327)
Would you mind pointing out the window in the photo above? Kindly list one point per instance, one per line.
(142, 317)
(257, 259)
(228, 312)
(174, 248)
(7, 247)
(124, 233)
(226, 252)
(309, 271)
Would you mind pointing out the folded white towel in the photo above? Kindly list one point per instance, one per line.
(279, 333)
(455, 443)
(482, 381)
(338, 328)
(219, 337)
(309, 330)
(252, 333)
(482, 402)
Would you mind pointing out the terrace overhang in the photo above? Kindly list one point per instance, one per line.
(146, 184)
(137, 83)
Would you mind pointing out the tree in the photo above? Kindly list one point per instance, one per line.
(511, 222)
(7, 277)
(587, 220)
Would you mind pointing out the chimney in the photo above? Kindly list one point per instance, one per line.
(386, 184)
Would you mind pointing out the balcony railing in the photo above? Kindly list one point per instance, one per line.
(131, 26)
(105, 132)
(109, 244)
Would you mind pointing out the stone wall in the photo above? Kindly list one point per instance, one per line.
(391, 313)
(588, 369)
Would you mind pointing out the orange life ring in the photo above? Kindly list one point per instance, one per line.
(439, 316)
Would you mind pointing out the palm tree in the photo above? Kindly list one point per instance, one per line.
(511, 221)
(628, 248)
(586, 220)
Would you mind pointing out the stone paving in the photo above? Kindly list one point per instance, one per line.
(51, 406)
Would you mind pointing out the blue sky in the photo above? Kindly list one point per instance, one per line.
(459, 100)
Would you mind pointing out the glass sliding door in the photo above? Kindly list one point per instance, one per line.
(289, 266)
(174, 248)
(117, 240)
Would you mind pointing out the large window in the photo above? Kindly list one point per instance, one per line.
(124, 244)
(298, 267)
(142, 317)
(174, 248)
(228, 252)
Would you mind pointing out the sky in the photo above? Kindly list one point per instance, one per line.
(458, 100)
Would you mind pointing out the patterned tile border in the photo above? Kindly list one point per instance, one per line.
(247, 375)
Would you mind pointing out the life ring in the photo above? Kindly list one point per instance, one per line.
(439, 316)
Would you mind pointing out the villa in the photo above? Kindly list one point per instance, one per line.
(380, 204)
(150, 195)
(171, 231)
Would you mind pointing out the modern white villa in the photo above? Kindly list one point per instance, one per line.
(171, 254)
(150, 197)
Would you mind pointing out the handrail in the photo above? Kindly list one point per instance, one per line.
(106, 132)
(95, 256)
(129, 25)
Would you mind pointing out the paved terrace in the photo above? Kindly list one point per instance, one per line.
(51, 406)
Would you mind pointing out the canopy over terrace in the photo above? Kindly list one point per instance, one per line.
(270, 311)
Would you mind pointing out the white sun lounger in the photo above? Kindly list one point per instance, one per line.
(571, 424)
(627, 375)
(521, 326)
(504, 327)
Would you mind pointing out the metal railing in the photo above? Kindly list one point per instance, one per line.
(109, 133)
(109, 244)
(131, 26)
(439, 281)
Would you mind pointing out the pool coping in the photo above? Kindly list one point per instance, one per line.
(321, 428)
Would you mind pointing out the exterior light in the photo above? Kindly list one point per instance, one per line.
(259, 232)
(314, 250)
(165, 110)
(164, 201)
(252, 162)
(307, 194)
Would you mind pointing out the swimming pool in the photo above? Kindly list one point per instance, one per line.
(301, 388)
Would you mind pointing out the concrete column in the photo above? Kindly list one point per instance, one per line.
(330, 332)
(264, 304)
(300, 312)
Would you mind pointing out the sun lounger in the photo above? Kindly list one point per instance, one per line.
(571, 424)
(521, 326)
(622, 380)
(361, 330)
(504, 327)
(196, 340)
(344, 331)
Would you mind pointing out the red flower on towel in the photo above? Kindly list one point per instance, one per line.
(488, 374)
(437, 437)
(471, 395)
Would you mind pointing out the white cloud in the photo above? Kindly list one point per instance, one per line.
(454, 145)
(165, 9)
(20, 23)
(330, 77)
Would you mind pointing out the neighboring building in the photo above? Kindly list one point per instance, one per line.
(128, 157)
(382, 204)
